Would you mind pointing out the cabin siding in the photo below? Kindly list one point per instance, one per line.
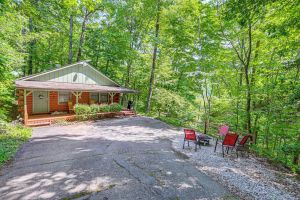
(75, 74)
(116, 98)
(20, 98)
(29, 104)
(53, 101)
(54, 105)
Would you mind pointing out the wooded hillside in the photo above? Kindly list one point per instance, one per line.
(196, 63)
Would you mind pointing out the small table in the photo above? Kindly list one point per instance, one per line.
(203, 138)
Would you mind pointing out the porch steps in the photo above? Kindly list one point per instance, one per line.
(37, 122)
(128, 113)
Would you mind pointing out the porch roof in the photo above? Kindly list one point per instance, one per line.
(47, 85)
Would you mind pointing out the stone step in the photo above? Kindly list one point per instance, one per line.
(38, 124)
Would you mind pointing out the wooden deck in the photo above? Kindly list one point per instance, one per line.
(48, 119)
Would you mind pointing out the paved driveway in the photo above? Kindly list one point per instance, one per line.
(129, 158)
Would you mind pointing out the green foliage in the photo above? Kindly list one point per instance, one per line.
(84, 111)
(11, 138)
(206, 72)
(115, 107)
(169, 103)
(94, 109)
(104, 108)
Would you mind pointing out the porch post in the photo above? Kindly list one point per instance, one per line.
(77, 94)
(111, 94)
(25, 106)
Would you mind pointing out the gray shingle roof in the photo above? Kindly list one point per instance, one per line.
(47, 85)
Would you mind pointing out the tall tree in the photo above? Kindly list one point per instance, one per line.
(155, 45)
(247, 16)
(70, 57)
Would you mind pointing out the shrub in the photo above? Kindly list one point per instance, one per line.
(82, 111)
(104, 108)
(94, 109)
(115, 107)
(11, 139)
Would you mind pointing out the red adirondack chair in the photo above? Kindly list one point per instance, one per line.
(229, 141)
(242, 145)
(190, 135)
(223, 130)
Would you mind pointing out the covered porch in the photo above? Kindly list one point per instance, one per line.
(43, 103)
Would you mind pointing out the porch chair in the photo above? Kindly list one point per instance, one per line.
(229, 142)
(190, 135)
(242, 146)
(71, 107)
(223, 130)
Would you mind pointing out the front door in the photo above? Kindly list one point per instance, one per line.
(40, 102)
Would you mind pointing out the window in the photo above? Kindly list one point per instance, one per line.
(63, 97)
(104, 98)
(95, 97)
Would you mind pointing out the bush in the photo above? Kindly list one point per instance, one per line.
(82, 111)
(95, 109)
(104, 108)
(85, 112)
(115, 107)
(14, 136)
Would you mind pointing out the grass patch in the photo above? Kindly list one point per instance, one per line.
(11, 137)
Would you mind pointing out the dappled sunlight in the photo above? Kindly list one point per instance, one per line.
(46, 185)
(115, 129)
(60, 147)
(97, 157)
(184, 186)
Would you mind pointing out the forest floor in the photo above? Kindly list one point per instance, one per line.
(250, 178)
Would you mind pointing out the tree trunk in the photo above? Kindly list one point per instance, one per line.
(153, 59)
(248, 83)
(81, 40)
(70, 40)
(207, 106)
(127, 81)
(97, 56)
(239, 85)
(129, 63)
(106, 66)
(30, 49)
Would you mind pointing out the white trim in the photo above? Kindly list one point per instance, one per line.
(25, 100)
(30, 92)
(111, 95)
(77, 95)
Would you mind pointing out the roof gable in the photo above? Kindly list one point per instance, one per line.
(80, 72)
